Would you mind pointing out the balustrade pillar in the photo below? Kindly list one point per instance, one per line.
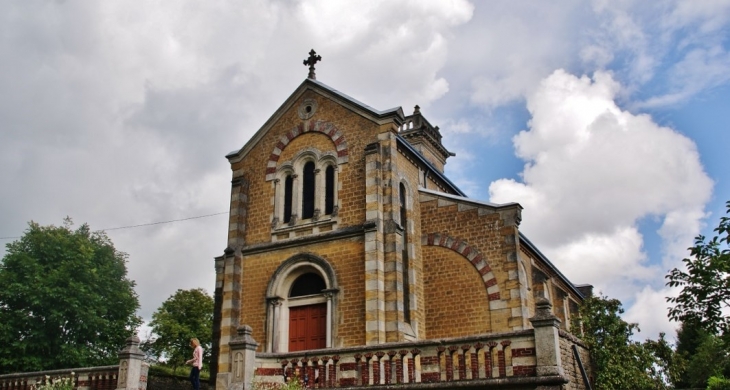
(547, 339)
(132, 368)
(243, 355)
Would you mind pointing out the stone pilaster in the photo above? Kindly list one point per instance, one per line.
(547, 339)
(374, 262)
(230, 285)
(393, 232)
(217, 316)
(132, 368)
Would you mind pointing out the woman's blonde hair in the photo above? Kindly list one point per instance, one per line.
(195, 341)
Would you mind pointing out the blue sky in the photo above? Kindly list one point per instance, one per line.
(607, 120)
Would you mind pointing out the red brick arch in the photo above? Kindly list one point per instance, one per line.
(326, 128)
(470, 253)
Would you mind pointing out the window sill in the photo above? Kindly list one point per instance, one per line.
(304, 228)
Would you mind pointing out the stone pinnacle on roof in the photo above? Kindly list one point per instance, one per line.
(313, 59)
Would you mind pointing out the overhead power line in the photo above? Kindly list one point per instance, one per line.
(144, 224)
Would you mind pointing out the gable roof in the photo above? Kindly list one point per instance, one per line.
(380, 117)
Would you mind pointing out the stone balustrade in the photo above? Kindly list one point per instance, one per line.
(487, 358)
(129, 374)
(88, 378)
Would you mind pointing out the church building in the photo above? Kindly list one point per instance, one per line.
(353, 261)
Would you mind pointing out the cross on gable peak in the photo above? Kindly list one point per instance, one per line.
(313, 59)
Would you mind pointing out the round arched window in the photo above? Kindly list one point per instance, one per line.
(307, 284)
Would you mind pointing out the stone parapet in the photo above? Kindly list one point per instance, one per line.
(102, 377)
(495, 359)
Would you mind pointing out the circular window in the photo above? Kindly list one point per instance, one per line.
(307, 109)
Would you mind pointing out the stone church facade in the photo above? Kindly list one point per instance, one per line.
(353, 261)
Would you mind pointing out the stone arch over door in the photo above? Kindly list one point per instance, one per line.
(278, 300)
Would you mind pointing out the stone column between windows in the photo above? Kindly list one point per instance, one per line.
(318, 194)
(296, 204)
(277, 203)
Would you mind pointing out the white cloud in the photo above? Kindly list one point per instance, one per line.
(592, 172)
(120, 113)
(650, 310)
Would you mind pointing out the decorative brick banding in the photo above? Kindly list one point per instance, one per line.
(524, 370)
(326, 128)
(470, 253)
(269, 371)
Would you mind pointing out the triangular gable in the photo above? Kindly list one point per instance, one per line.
(380, 117)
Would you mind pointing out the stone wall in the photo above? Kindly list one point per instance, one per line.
(570, 363)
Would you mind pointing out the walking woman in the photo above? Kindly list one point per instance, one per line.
(196, 362)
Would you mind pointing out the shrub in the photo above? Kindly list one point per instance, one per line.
(62, 383)
(718, 383)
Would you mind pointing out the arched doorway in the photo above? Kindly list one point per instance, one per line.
(307, 317)
(302, 305)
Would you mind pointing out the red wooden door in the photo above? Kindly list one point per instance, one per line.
(307, 327)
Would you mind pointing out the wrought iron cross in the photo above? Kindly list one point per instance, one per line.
(313, 58)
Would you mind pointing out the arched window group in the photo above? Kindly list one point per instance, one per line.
(306, 189)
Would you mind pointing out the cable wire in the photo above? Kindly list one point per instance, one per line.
(144, 224)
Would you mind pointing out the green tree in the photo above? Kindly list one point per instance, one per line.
(186, 314)
(689, 338)
(668, 366)
(706, 282)
(710, 359)
(65, 299)
(618, 362)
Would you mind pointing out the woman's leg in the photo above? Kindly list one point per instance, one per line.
(195, 378)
